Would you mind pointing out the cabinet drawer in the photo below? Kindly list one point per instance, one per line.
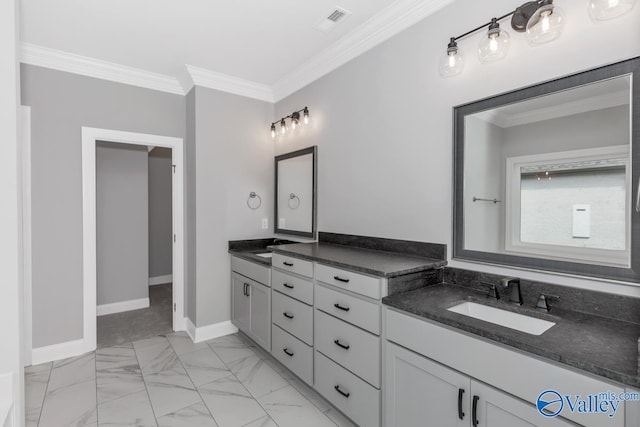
(293, 316)
(292, 353)
(360, 401)
(364, 314)
(251, 270)
(354, 282)
(293, 265)
(362, 353)
(293, 286)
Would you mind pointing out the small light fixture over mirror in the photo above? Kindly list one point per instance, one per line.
(541, 21)
(452, 63)
(495, 46)
(295, 121)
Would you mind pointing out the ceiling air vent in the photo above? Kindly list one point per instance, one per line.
(334, 17)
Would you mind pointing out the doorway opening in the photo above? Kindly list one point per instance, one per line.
(168, 289)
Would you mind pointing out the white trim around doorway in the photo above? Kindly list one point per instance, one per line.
(90, 136)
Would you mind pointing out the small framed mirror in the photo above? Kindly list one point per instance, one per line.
(295, 192)
(546, 177)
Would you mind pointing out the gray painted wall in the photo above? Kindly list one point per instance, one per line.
(61, 103)
(383, 121)
(122, 220)
(234, 157)
(160, 215)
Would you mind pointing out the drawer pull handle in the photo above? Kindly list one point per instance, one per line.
(287, 315)
(286, 285)
(474, 415)
(340, 279)
(347, 394)
(288, 264)
(339, 344)
(287, 352)
(340, 307)
(460, 413)
(246, 289)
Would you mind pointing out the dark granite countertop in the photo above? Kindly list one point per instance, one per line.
(249, 249)
(599, 345)
(374, 262)
(252, 255)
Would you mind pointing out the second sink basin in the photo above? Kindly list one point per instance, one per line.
(508, 319)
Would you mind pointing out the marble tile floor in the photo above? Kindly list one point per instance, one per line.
(167, 380)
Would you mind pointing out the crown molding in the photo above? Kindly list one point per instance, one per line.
(226, 83)
(397, 17)
(86, 66)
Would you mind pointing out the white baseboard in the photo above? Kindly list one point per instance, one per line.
(160, 280)
(119, 307)
(208, 332)
(59, 351)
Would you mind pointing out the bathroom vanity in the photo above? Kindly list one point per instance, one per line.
(326, 312)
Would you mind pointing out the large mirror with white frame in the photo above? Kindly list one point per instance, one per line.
(295, 191)
(546, 177)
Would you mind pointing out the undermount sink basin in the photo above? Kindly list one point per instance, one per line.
(508, 319)
(266, 255)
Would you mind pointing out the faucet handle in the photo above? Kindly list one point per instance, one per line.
(543, 301)
(493, 290)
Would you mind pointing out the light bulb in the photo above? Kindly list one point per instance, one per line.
(283, 127)
(273, 130)
(496, 45)
(452, 63)
(305, 115)
(602, 10)
(295, 119)
(546, 24)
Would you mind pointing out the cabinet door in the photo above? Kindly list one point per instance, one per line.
(240, 303)
(420, 392)
(260, 317)
(495, 408)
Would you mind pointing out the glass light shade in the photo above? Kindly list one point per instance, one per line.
(283, 127)
(602, 10)
(273, 131)
(451, 64)
(545, 25)
(494, 47)
(305, 115)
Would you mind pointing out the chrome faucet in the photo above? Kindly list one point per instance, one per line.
(516, 296)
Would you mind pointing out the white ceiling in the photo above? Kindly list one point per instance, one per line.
(257, 40)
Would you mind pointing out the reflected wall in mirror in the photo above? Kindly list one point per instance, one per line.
(295, 190)
(544, 176)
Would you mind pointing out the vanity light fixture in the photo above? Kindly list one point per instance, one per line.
(540, 19)
(295, 121)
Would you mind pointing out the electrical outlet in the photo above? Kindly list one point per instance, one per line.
(265, 223)
(281, 223)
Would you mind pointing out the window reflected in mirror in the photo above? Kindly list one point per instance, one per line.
(549, 177)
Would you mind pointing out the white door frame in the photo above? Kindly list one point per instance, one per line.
(27, 273)
(90, 136)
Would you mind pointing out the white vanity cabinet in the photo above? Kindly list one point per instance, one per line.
(292, 315)
(347, 323)
(426, 358)
(419, 389)
(251, 300)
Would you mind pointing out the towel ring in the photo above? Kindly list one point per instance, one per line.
(253, 195)
(293, 197)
